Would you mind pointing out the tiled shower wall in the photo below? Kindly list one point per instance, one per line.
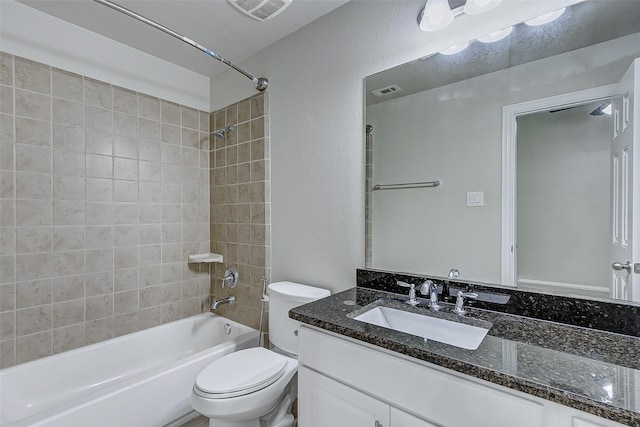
(103, 194)
(240, 205)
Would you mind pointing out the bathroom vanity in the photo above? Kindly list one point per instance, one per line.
(526, 372)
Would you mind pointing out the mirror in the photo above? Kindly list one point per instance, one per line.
(471, 121)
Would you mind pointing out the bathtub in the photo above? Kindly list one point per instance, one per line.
(140, 379)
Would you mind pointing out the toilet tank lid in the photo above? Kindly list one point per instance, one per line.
(298, 292)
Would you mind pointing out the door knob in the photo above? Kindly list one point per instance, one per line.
(619, 266)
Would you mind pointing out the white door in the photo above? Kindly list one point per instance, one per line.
(324, 402)
(624, 160)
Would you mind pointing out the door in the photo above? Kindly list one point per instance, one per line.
(625, 159)
(324, 402)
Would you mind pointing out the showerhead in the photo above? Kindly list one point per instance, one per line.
(221, 133)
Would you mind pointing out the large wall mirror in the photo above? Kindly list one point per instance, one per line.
(513, 161)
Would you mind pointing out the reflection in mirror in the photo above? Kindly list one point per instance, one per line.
(562, 198)
(445, 122)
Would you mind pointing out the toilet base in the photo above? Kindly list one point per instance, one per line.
(279, 416)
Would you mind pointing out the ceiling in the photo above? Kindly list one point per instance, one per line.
(215, 24)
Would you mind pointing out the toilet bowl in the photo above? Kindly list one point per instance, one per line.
(256, 387)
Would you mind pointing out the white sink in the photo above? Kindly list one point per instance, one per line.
(432, 328)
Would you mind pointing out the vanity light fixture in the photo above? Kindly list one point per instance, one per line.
(496, 35)
(475, 7)
(546, 18)
(436, 15)
(455, 49)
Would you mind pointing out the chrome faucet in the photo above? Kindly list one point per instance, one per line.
(453, 273)
(460, 302)
(429, 288)
(231, 300)
(412, 292)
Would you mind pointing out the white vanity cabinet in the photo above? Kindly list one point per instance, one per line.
(344, 383)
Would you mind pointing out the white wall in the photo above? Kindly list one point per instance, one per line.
(35, 35)
(453, 133)
(317, 136)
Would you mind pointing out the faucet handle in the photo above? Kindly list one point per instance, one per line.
(459, 309)
(405, 284)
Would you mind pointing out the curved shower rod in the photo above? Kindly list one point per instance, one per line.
(260, 83)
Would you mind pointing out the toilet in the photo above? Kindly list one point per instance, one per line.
(256, 387)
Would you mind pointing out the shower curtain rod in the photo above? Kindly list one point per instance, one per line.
(260, 83)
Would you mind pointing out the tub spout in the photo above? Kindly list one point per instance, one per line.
(218, 302)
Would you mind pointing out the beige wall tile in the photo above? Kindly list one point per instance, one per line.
(98, 119)
(67, 112)
(149, 129)
(33, 239)
(32, 75)
(33, 293)
(97, 213)
(125, 100)
(98, 142)
(67, 85)
(68, 313)
(33, 320)
(125, 147)
(33, 185)
(33, 132)
(125, 125)
(68, 263)
(68, 338)
(68, 138)
(68, 187)
(68, 163)
(6, 99)
(148, 107)
(6, 69)
(68, 238)
(126, 280)
(68, 288)
(170, 112)
(33, 346)
(98, 330)
(190, 118)
(125, 302)
(170, 134)
(97, 93)
(118, 214)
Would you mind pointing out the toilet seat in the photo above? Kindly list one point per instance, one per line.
(240, 373)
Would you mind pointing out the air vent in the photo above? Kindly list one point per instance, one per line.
(386, 90)
(262, 10)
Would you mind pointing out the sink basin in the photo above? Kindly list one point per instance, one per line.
(432, 328)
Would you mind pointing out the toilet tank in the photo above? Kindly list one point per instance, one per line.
(283, 296)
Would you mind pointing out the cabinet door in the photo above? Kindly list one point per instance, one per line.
(402, 419)
(325, 402)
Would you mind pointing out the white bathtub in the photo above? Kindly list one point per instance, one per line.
(140, 379)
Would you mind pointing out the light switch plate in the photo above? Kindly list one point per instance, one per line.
(475, 198)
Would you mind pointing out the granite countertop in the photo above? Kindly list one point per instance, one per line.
(592, 371)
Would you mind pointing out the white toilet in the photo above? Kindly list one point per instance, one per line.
(256, 387)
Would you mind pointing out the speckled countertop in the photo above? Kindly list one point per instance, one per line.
(592, 371)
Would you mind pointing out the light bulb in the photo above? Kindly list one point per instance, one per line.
(436, 15)
(496, 35)
(546, 18)
(474, 7)
(455, 49)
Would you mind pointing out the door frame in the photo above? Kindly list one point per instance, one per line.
(510, 113)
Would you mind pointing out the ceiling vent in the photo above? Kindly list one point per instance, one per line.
(386, 90)
(262, 10)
